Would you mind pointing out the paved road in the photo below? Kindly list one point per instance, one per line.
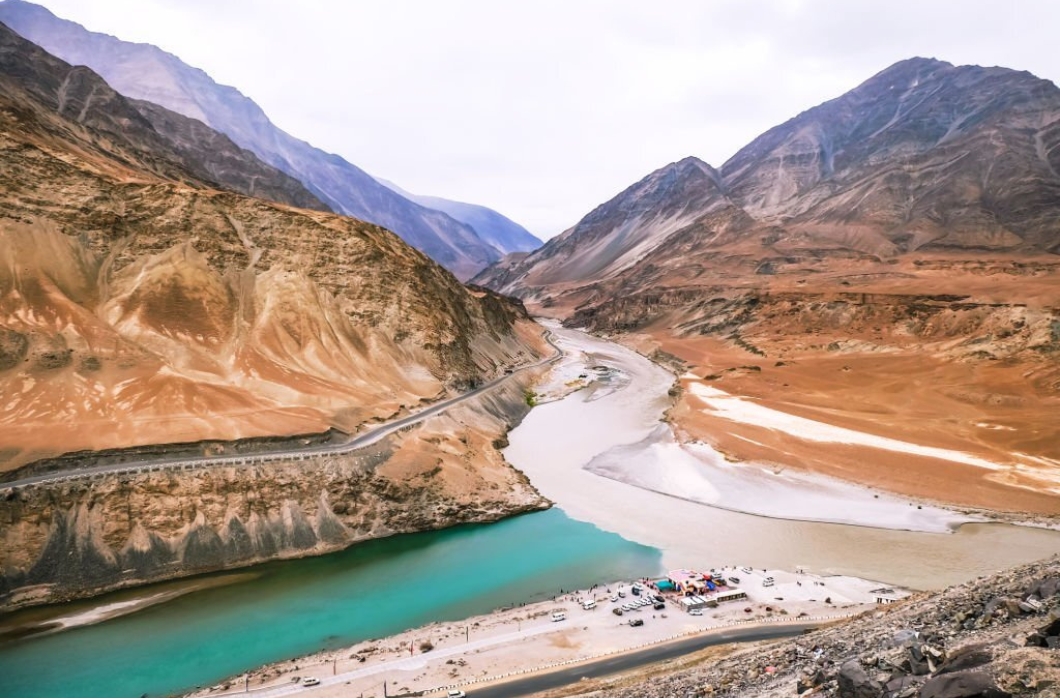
(372, 436)
(418, 661)
(527, 685)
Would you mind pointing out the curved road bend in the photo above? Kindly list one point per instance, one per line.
(372, 436)
(607, 666)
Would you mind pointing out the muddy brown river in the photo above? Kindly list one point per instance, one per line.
(557, 440)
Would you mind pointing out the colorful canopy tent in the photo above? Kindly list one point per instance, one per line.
(665, 585)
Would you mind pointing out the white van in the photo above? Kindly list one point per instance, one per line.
(768, 581)
(559, 616)
(588, 604)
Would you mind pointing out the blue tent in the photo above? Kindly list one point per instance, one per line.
(665, 585)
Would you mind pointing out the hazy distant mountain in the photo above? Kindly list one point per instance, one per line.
(493, 227)
(924, 156)
(146, 72)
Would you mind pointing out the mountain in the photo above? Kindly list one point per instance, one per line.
(619, 233)
(924, 156)
(886, 260)
(145, 72)
(141, 303)
(493, 227)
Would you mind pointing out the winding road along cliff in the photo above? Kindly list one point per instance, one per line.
(83, 532)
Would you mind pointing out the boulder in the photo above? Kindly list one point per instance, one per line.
(965, 658)
(1043, 588)
(854, 682)
(898, 685)
(962, 684)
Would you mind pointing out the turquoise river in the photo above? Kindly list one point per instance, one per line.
(286, 609)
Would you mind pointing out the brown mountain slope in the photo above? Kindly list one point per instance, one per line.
(924, 155)
(885, 262)
(139, 305)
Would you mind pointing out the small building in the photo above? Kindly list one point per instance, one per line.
(689, 603)
(731, 594)
(695, 602)
(688, 582)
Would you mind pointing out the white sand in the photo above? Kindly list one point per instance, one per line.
(734, 408)
(697, 472)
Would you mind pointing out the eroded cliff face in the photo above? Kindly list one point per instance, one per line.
(84, 537)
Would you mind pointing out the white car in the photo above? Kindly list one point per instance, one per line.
(456, 694)
(614, 599)
(310, 681)
(698, 612)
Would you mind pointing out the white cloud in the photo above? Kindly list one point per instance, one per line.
(543, 110)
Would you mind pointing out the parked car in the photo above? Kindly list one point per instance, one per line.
(659, 606)
(698, 612)
(746, 569)
(621, 594)
(734, 579)
(559, 616)
(636, 622)
(614, 599)
(310, 681)
(768, 581)
(456, 693)
(660, 599)
(617, 611)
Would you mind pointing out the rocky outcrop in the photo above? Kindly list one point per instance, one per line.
(85, 536)
(992, 637)
(782, 324)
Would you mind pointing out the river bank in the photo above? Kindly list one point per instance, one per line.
(531, 636)
(287, 609)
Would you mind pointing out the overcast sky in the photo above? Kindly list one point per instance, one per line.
(541, 109)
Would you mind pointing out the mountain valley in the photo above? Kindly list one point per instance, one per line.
(237, 370)
(885, 261)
